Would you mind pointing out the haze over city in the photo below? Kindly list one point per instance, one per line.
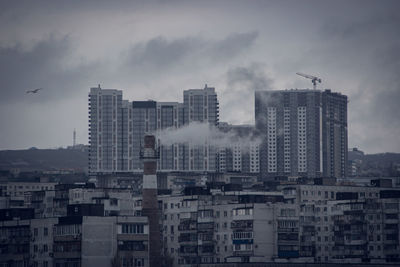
(157, 49)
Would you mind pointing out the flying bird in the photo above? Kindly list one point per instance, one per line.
(34, 91)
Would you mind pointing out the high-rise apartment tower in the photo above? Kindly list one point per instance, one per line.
(304, 133)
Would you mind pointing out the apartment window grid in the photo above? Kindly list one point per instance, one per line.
(271, 139)
(301, 139)
(286, 139)
(237, 158)
(254, 158)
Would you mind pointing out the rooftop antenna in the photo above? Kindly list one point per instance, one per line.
(314, 79)
(74, 138)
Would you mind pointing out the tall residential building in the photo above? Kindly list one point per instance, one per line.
(242, 156)
(144, 120)
(117, 128)
(335, 146)
(170, 115)
(305, 133)
(201, 105)
(105, 130)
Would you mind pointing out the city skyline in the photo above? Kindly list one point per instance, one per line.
(146, 50)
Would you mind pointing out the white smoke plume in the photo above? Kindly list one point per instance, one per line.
(199, 134)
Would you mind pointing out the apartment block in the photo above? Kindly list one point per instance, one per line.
(242, 156)
(105, 130)
(82, 238)
(117, 127)
(305, 133)
(201, 106)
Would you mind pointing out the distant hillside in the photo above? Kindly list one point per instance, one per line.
(43, 159)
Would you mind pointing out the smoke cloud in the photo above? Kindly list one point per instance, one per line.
(199, 134)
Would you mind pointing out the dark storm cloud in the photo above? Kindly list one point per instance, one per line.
(162, 54)
(48, 65)
(379, 23)
(250, 78)
(382, 86)
(159, 52)
(241, 83)
(231, 46)
(372, 44)
(43, 66)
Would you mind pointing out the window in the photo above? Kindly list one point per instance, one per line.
(45, 231)
(242, 235)
(242, 212)
(69, 229)
(133, 228)
(139, 262)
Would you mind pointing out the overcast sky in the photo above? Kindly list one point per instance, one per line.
(157, 49)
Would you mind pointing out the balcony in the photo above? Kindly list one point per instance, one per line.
(288, 254)
(243, 252)
(355, 242)
(188, 225)
(242, 224)
(205, 219)
(188, 250)
(242, 241)
(391, 251)
(288, 242)
(67, 255)
(354, 253)
(206, 250)
(391, 221)
(188, 238)
(242, 217)
(391, 231)
(63, 238)
(288, 230)
(391, 241)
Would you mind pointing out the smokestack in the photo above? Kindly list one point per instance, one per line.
(149, 198)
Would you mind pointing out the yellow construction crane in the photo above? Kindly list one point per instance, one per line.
(314, 79)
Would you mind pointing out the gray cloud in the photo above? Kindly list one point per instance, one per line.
(369, 48)
(160, 55)
(42, 66)
(250, 78)
(162, 49)
(241, 83)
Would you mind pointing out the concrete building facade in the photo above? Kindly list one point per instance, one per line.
(201, 106)
(305, 133)
(117, 128)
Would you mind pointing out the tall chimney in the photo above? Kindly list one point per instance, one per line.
(149, 198)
